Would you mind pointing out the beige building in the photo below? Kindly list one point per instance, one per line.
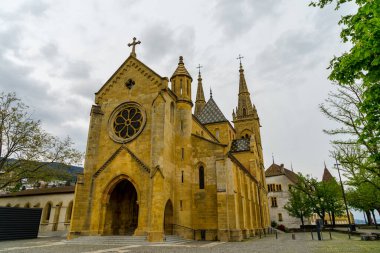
(56, 204)
(279, 181)
(154, 168)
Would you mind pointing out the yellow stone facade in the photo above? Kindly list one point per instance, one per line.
(153, 168)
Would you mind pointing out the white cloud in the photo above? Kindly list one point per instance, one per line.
(56, 54)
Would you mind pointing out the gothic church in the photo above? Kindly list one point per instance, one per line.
(154, 168)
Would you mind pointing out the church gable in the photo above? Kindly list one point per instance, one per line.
(132, 77)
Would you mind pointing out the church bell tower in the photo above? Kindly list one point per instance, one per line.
(246, 120)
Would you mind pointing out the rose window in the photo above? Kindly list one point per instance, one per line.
(127, 121)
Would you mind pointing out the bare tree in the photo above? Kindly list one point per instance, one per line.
(26, 150)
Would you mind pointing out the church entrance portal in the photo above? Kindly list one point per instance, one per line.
(168, 218)
(122, 210)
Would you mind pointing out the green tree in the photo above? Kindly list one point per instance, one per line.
(364, 197)
(26, 150)
(298, 205)
(361, 65)
(334, 199)
(343, 107)
(323, 197)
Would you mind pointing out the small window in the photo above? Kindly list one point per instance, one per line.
(182, 153)
(280, 217)
(174, 86)
(290, 187)
(180, 86)
(172, 112)
(188, 88)
(180, 205)
(182, 176)
(181, 125)
(201, 178)
(274, 201)
(244, 112)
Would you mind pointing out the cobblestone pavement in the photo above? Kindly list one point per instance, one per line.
(284, 244)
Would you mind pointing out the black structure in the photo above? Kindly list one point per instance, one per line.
(19, 223)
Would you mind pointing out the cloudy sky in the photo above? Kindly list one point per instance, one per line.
(56, 54)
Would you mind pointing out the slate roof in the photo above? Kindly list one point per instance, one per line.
(278, 170)
(240, 145)
(41, 191)
(211, 113)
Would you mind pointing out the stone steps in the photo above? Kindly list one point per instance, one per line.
(124, 240)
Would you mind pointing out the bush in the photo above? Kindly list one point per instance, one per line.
(281, 227)
(273, 224)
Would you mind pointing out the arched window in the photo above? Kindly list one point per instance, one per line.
(47, 211)
(244, 112)
(69, 211)
(201, 177)
(173, 86)
(246, 136)
(171, 112)
(180, 86)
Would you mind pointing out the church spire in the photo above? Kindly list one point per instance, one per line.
(245, 108)
(200, 99)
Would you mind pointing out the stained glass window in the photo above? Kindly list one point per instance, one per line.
(127, 122)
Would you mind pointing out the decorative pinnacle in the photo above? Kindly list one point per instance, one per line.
(199, 69)
(133, 44)
(210, 92)
(180, 60)
(239, 58)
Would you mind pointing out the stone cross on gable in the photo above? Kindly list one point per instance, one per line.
(133, 44)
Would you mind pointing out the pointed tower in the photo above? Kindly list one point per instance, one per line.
(245, 118)
(181, 82)
(327, 175)
(200, 101)
(245, 109)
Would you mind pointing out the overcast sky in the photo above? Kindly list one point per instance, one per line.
(56, 54)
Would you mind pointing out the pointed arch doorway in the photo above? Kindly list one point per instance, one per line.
(122, 210)
(168, 218)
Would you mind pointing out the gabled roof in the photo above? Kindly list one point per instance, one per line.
(240, 145)
(211, 113)
(278, 170)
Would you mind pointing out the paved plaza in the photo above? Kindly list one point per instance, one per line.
(284, 243)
